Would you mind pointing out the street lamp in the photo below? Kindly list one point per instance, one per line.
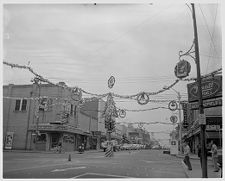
(179, 108)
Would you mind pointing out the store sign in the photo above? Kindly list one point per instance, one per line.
(206, 103)
(211, 88)
(185, 120)
(212, 127)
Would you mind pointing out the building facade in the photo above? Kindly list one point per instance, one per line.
(212, 103)
(40, 116)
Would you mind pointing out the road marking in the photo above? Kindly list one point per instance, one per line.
(101, 174)
(43, 166)
(65, 169)
(151, 161)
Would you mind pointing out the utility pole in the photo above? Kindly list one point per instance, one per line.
(180, 126)
(201, 109)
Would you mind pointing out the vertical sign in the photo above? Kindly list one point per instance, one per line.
(184, 107)
(9, 140)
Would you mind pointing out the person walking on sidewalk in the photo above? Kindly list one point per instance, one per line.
(214, 157)
(186, 156)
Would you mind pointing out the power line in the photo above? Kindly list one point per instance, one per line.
(211, 37)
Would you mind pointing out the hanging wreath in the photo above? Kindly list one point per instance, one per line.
(122, 113)
(111, 82)
(76, 94)
(142, 98)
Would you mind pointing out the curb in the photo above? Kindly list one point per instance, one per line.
(185, 169)
(193, 158)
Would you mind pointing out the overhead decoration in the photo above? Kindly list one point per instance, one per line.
(122, 113)
(110, 108)
(182, 69)
(142, 98)
(148, 123)
(141, 125)
(111, 82)
(173, 119)
(173, 105)
(76, 94)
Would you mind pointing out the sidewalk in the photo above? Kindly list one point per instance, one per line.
(50, 152)
(196, 171)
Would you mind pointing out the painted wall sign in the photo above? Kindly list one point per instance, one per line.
(9, 140)
(211, 88)
(206, 103)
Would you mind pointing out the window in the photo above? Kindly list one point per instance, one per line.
(24, 104)
(17, 108)
(71, 109)
(21, 105)
(75, 111)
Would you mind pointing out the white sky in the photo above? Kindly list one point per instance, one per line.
(83, 45)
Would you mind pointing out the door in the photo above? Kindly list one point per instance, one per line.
(55, 138)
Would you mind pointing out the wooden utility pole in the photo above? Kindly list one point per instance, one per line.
(201, 109)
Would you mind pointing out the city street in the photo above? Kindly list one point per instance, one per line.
(136, 164)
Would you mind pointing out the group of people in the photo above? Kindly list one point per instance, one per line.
(213, 151)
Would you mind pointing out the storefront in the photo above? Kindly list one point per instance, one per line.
(212, 103)
(49, 136)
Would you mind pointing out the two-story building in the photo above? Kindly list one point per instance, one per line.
(40, 116)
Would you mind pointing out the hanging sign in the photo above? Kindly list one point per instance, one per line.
(173, 119)
(172, 105)
(111, 82)
(143, 98)
(9, 140)
(202, 119)
(182, 69)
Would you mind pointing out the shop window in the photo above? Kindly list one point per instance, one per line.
(21, 105)
(41, 138)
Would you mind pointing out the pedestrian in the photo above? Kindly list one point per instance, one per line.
(214, 156)
(59, 147)
(199, 153)
(186, 156)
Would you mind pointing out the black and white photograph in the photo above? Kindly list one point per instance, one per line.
(111, 90)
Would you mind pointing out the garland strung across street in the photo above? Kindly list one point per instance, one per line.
(142, 123)
(142, 98)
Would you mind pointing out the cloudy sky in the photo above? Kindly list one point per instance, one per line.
(84, 44)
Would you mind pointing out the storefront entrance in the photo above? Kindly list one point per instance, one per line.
(55, 139)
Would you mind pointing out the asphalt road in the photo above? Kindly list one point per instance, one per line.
(137, 164)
